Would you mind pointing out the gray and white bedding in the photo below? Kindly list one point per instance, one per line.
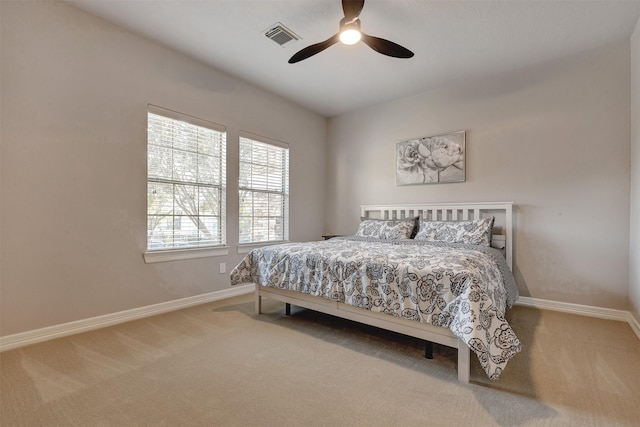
(466, 288)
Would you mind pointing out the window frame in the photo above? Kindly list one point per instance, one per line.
(244, 247)
(195, 251)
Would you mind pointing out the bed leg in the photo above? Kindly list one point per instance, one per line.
(287, 309)
(464, 362)
(257, 301)
(428, 349)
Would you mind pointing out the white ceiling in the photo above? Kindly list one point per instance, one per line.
(452, 40)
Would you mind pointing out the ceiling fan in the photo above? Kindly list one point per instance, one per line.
(350, 34)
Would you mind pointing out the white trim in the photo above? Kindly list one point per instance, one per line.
(57, 331)
(566, 307)
(175, 115)
(582, 310)
(263, 139)
(635, 325)
(179, 254)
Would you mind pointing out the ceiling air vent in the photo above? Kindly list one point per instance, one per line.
(281, 34)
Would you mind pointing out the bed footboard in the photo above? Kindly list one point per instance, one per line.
(414, 329)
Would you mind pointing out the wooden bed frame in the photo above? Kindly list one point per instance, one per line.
(502, 238)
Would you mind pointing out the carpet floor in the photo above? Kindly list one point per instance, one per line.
(219, 364)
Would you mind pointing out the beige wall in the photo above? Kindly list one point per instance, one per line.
(553, 138)
(74, 100)
(634, 255)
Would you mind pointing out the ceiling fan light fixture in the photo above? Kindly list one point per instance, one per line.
(350, 36)
(350, 31)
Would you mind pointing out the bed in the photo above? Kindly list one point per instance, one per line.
(447, 281)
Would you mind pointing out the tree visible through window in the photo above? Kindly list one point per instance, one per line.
(264, 191)
(186, 181)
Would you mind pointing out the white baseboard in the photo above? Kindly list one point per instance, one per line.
(635, 324)
(57, 331)
(583, 310)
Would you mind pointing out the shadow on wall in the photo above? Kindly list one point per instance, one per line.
(521, 284)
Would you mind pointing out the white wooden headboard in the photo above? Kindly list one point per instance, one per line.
(501, 211)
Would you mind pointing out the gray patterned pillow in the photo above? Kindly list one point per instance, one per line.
(387, 229)
(474, 232)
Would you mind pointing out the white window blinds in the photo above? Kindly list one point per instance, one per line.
(264, 191)
(186, 181)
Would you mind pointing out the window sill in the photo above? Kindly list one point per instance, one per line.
(245, 248)
(179, 254)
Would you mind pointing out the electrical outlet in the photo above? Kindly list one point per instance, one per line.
(223, 267)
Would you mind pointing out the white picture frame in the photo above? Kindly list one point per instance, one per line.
(436, 159)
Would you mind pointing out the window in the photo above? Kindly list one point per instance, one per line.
(186, 181)
(264, 191)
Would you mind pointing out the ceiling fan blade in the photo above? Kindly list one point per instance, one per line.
(386, 47)
(313, 49)
(352, 9)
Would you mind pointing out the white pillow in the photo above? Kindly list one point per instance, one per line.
(474, 232)
(383, 229)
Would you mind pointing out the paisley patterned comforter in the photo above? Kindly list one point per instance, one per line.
(465, 288)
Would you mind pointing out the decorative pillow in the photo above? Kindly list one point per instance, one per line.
(387, 229)
(474, 232)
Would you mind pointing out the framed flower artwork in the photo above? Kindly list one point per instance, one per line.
(431, 160)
